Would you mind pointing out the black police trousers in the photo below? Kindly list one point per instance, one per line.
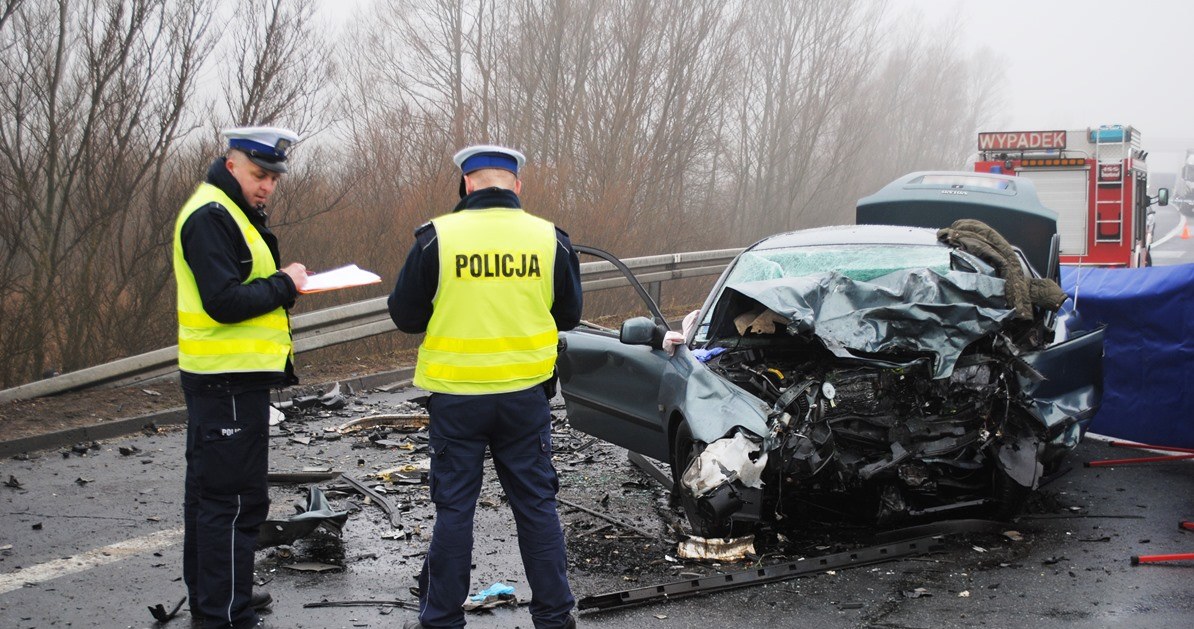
(516, 427)
(225, 502)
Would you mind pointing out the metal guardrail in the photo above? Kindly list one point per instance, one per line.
(370, 317)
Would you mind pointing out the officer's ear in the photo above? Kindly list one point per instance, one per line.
(518, 186)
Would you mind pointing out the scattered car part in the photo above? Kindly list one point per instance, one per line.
(406, 421)
(716, 549)
(649, 468)
(402, 604)
(312, 566)
(301, 477)
(317, 514)
(758, 576)
(608, 518)
(160, 614)
(377, 498)
(333, 400)
(913, 541)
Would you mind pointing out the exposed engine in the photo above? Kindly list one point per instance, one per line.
(914, 444)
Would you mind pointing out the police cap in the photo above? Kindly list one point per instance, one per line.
(265, 146)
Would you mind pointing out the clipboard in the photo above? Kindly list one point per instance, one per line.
(343, 277)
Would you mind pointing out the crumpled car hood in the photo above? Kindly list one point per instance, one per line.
(908, 313)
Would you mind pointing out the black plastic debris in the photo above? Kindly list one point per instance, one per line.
(129, 450)
(13, 482)
(333, 400)
(160, 614)
(319, 513)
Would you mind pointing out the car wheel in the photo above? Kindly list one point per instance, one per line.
(684, 450)
(1007, 496)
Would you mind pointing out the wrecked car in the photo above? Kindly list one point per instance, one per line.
(877, 371)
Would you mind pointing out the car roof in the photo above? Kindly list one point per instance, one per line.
(850, 235)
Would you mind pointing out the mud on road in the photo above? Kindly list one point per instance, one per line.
(1065, 563)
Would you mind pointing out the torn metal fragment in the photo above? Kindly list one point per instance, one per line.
(397, 421)
(714, 549)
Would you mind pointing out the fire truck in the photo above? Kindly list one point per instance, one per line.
(1096, 179)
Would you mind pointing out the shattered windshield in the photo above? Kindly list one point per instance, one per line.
(862, 262)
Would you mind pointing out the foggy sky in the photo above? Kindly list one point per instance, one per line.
(1072, 64)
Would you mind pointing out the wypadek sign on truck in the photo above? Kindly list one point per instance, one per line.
(1096, 180)
(1021, 140)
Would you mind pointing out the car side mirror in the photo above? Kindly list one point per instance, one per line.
(1163, 197)
(641, 331)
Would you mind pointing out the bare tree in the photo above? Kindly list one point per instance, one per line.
(281, 65)
(87, 119)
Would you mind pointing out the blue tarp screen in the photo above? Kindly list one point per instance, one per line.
(1148, 362)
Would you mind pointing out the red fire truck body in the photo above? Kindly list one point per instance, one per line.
(1095, 179)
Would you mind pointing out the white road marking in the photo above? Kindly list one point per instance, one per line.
(1172, 233)
(1166, 255)
(91, 559)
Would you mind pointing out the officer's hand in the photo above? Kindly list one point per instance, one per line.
(297, 273)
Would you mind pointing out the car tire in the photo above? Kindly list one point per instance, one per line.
(684, 450)
(1007, 496)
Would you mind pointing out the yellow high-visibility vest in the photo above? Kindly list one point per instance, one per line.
(491, 329)
(207, 346)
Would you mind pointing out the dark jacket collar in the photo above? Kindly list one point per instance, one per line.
(487, 198)
(219, 177)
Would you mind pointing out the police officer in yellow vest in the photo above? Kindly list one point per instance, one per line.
(233, 345)
(490, 285)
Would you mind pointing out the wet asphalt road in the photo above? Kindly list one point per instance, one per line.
(92, 540)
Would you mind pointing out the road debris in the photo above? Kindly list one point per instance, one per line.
(716, 549)
(160, 614)
(305, 476)
(377, 498)
(393, 421)
(312, 566)
(318, 514)
(497, 595)
(13, 482)
(325, 603)
(759, 575)
(916, 593)
(607, 518)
